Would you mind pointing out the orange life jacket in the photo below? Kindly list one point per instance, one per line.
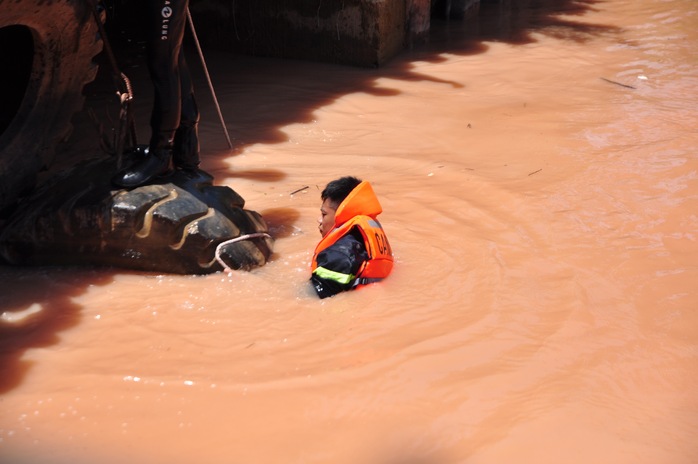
(359, 210)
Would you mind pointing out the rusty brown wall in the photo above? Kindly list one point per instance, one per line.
(356, 32)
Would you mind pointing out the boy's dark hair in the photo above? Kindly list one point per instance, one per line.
(337, 190)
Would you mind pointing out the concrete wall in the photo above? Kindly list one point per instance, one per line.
(355, 32)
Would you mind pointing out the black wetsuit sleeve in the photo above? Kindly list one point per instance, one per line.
(338, 266)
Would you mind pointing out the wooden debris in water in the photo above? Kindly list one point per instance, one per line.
(618, 83)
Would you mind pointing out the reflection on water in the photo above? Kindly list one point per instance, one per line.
(542, 305)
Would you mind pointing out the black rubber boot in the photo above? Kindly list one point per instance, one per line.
(155, 163)
(185, 154)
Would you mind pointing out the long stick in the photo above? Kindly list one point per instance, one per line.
(208, 78)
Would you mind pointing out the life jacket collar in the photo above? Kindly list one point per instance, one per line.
(360, 201)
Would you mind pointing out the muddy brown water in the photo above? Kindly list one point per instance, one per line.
(540, 191)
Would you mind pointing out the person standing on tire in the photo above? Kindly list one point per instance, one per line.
(175, 116)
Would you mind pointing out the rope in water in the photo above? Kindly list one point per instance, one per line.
(233, 240)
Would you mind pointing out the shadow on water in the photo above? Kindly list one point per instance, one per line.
(35, 307)
(280, 221)
(517, 22)
(258, 105)
(280, 91)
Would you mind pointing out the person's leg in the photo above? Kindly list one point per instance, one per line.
(186, 140)
(167, 19)
(164, 50)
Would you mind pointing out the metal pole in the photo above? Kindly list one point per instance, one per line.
(208, 78)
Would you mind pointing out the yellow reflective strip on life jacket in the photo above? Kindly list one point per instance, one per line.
(327, 274)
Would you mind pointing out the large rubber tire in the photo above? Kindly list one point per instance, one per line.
(171, 226)
(65, 41)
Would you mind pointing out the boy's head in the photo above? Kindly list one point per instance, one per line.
(332, 196)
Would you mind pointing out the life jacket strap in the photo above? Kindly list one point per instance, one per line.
(338, 277)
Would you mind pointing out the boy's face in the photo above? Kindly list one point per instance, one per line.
(326, 219)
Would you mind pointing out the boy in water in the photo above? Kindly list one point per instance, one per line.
(354, 250)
